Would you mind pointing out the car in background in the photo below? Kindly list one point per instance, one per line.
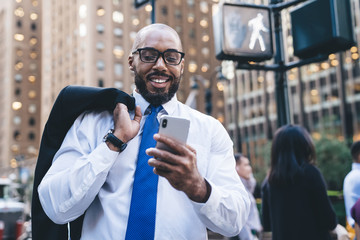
(11, 211)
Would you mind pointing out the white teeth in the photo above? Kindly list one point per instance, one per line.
(158, 80)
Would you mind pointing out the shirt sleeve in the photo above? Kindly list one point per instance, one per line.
(78, 171)
(228, 206)
(351, 194)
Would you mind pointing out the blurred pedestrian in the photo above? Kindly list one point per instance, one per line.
(295, 204)
(352, 183)
(355, 214)
(252, 226)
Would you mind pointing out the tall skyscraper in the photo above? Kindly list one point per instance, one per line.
(20, 94)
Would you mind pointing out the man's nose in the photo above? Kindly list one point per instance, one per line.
(160, 63)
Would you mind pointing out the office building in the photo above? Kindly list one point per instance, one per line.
(20, 94)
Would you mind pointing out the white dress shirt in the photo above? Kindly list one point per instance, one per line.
(87, 176)
(351, 190)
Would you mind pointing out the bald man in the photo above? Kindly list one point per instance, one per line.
(197, 188)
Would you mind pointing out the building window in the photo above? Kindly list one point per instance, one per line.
(33, 16)
(33, 26)
(191, 3)
(17, 92)
(118, 69)
(118, 32)
(82, 11)
(33, 54)
(17, 120)
(191, 18)
(135, 21)
(31, 136)
(118, 84)
(32, 108)
(19, 37)
(82, 30)
(100, 83)
(204, 7)
(33, 41)
(178, 13)
(17, 135)
(19, 12)
(192, 66)
(118, 17)
(19, 65)
(32, 79)
(100, 11)
(18, 77)
(100, 65)
(32, 94)
(164, 10)
(32, 66)
(19, 23)
(16, 105)
(100, 46)
(204, 23)
(32, 121)
(118, 51)
(100, 28)
(192, 33)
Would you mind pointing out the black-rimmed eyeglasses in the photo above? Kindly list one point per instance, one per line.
(151, 55)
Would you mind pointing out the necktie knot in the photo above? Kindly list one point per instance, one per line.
(155, 109)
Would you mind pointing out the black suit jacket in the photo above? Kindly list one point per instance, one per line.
(71, 102)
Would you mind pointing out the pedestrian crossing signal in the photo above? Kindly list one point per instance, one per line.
(242, 32)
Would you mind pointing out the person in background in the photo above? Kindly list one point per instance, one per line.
(351, 187)
(295, 204)
(253, 227)
(97, 167)
(355, 214)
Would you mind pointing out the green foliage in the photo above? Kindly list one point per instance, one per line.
(262, 165)
(333, 160)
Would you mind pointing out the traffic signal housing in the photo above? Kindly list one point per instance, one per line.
(322, 27)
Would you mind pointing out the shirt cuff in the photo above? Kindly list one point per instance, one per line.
(211, 204)
(102, 158)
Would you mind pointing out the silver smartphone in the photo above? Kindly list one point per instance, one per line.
(176, 128)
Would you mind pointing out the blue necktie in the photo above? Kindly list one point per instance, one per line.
(141, 222)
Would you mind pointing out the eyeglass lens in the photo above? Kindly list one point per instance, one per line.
(151, 56)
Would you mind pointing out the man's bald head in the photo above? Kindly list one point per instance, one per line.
(142, 33)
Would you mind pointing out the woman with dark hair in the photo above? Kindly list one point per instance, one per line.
(295, 205)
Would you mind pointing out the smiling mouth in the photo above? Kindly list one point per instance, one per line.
(159, 80)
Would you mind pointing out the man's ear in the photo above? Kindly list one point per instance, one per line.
(131, 61)
(182, 66)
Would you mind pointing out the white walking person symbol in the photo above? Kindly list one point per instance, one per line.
(257, 26)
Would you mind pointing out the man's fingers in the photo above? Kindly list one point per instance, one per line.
(173, 144)
(138, 114)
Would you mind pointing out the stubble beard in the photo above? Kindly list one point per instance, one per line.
(159, 96)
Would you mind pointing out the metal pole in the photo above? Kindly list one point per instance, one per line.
(345, 112)
(282, 101)
(153, 11)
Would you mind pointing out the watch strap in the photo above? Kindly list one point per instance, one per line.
(110, 137)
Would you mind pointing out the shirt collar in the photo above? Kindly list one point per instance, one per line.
(169, 107)
(355, 165)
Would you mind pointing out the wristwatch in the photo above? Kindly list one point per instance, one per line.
(110, 137)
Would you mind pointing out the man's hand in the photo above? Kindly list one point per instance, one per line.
(180, 170)
(124, 128)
